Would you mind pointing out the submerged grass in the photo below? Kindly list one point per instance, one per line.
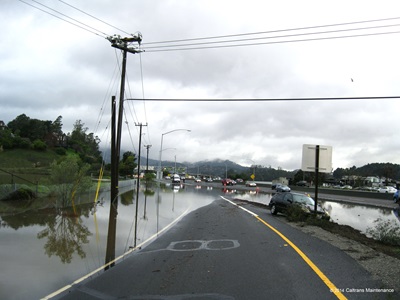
(385, 237)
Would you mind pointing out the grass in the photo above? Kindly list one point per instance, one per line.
(27, 165)
(26, 159)
(386, 246)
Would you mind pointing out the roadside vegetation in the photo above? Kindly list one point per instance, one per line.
(384, 237)
(41, 166)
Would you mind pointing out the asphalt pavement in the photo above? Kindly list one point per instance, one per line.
(232, 250)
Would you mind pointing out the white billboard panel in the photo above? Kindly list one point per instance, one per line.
(325, 158)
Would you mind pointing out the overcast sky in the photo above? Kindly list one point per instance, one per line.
(49, 67)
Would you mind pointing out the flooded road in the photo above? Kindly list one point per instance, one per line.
(42, 251)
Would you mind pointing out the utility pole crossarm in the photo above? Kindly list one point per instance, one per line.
(122, 43)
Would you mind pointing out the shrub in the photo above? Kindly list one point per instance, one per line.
(39, 145)
(23, 143)
(60, 151)
(20, 194)
(295, 213)
(386, 231)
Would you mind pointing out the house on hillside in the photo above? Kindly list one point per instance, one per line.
(2, 125)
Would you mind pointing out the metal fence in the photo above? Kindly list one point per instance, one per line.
(12, 182)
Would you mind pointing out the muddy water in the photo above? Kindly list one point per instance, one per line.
(359, 217)
(42, 251)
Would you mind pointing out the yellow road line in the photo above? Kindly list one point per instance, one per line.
(317, 271)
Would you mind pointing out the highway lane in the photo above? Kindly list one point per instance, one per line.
(223, 252)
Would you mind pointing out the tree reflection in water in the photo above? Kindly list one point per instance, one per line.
(66, 234)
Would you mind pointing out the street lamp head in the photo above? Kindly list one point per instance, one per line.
(188, 130)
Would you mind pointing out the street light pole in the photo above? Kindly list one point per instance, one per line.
(159, 172)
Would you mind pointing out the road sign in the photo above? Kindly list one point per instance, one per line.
(252, 176)
(308, 163)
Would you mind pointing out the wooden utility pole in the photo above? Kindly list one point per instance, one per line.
(124, 45)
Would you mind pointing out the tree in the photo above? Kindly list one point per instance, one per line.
(6, 139)
(69, 176)
(127, 165)
(20, 125)
(56, 128)
(34, 129)
(86, 145)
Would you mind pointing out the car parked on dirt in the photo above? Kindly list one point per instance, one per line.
(280, 202)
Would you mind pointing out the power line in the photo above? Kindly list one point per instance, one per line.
(275, 31)
(267, 99)
(276, 42)
(275, 37)
(94, 17)
(58, 17)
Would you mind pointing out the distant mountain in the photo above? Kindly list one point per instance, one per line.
(217, 167)
(220, 167)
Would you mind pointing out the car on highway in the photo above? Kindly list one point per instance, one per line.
(282, 188)
(251, 183)
(228, 181)
(176, 178)
(280, 202)
(346, 187)
(302, 183)
(387, 190)
(274, 185)
(197, 180)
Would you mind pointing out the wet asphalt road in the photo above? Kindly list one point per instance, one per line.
(223, 252)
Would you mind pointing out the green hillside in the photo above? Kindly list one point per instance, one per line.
(30, 165)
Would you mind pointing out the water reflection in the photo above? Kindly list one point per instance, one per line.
(357, 216)
(66, 233)
(42, 242)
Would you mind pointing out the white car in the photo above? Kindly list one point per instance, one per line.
(387, 189)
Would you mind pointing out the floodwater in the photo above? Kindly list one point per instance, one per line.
(359, 217)
(43, 251)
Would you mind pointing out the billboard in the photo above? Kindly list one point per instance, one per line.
(308, 162)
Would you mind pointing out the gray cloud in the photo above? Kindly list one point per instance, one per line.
(50, 68)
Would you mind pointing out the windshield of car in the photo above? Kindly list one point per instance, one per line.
(303, 199)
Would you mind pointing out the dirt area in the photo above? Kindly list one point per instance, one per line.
(382, 261)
